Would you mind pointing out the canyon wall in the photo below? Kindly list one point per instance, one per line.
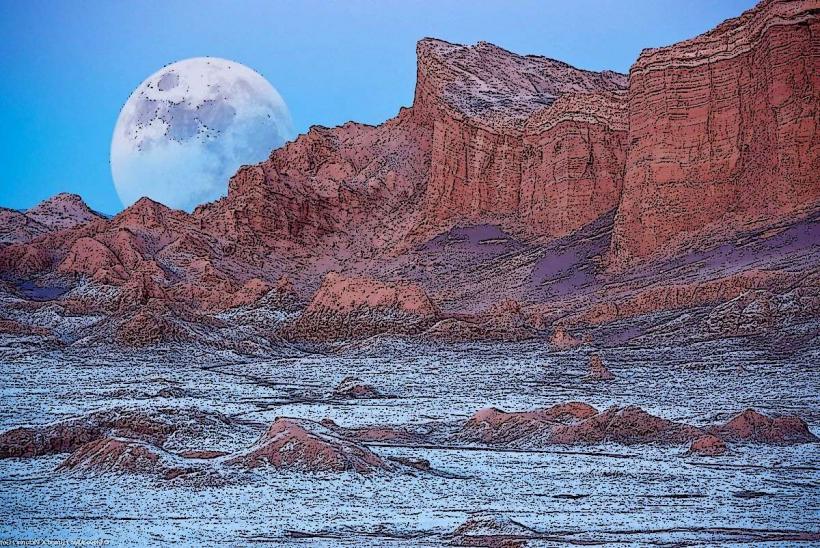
(723, 133)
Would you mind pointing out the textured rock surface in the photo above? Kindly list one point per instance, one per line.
(597, 370)
(502, 150)
(153, 427)
(502, 195)
(351, 307)
(708, 446)
(751, 426)
(59, 212)
(722, 132)
(288, 445)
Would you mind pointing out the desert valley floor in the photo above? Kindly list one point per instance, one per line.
(598, 493)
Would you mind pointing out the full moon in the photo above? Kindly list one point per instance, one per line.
(189, 126)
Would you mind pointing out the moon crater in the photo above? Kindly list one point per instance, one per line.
(188, 127)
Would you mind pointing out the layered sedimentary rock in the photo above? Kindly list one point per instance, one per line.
(504, 148)
(722, 132)
(498, 186)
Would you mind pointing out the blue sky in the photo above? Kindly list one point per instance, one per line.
(68, 66)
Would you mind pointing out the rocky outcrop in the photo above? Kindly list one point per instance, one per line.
(352, 307)
(495, 193)
(61, 211)
(754, 427)
(114, 455)
(722, 133)
(289, 445)
(17, 227)
(708, 446)
(597, 370)
(493, 426)
(493, 531)
(580, 424)
(353, 388)
(504, 148)
(155, 427)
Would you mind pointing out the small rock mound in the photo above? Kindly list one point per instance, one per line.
(353, 388)
(116, 455)
(495, 426)
(597, 370)
(561, 339)
(288, 445)
(756, 427)
(708, 446)
(491, 530)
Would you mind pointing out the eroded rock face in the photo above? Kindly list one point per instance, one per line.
(62, 211)
(580, 424)
(722, 132)
(288, 445)
(115, 455)
(493, 426)
(492, 530)
(501, 148)
(352, 307)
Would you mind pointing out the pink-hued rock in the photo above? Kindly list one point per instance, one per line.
(492, 531)
(152, 427)
(349, 307)
(708, 446)
(561, 339)
(574, 424)
(751, 426)
(62, 211)
(597, 370)
(114, 455)
(16, 227)
(288, 445)
(580, 424)
(493, 426)
(501, 148)
(722, 133)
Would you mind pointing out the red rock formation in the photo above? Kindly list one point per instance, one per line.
(16, 227)
(502, 150)
(578, 423)
(289, 445)
(494, 426)
(708, 446)
(755, 427)
(722, 132)
(59, 212)
(350, 307)
(561, 339)
(114, 455)
(62, 211)
(365, 434)
(66, 436)
(597, 370)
